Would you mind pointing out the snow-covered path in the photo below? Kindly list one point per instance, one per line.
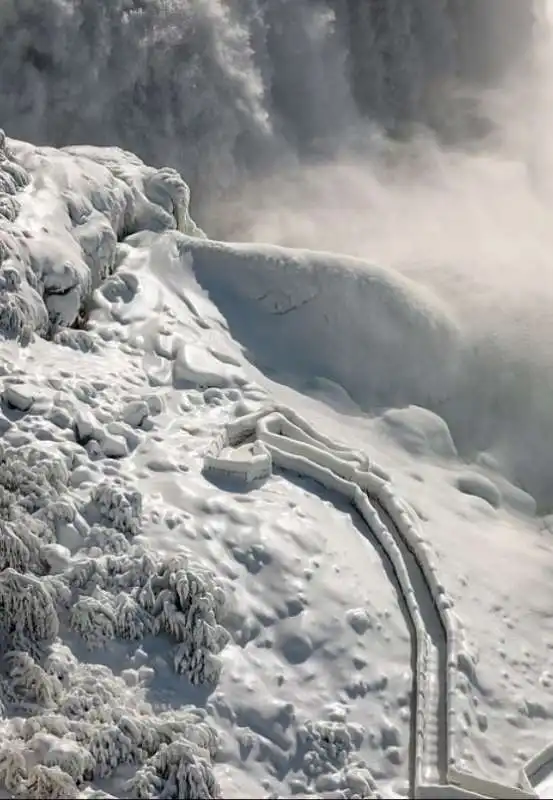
(279, 436)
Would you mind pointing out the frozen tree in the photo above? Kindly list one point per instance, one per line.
(110, 747)
(94, 619)
(121, 508)
(82, 721)
(86, 572)
(26, 607)
(48, 783)
(177, 770)
(189, 605)
(131, 620)
(13, 552)
(29, 681)
(13, 767)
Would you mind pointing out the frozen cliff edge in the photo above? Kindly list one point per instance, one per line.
(66, 214)
(62, 215)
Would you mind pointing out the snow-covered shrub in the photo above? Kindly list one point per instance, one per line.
(29, 681)
(328, 752)
(54, 557)
(177, 770)
(191, 726)
(57, 590)
(31, 478)
(81, 721)
(60, 662)
(119, 507)
(13, 552)
(111, 572)
(188, 604)
(91, 722)
(26, 607)
(86, 572)
(97, 723)
(48, 783)
(13, 767)
(62, 752)
(54, 724)
(30, 486)
(31, 483)
(94, 619)
(131, 594)
(107, 540)
(327, 745)
(57, 515)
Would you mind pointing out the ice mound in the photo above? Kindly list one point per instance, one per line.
(390, 343)
(310, 314)
(419, 431)
(62, 215)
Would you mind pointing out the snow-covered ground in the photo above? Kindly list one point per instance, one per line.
(193, 601)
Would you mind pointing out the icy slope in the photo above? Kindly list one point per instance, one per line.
(171, 631)
(317, 314)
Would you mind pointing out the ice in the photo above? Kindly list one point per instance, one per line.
(419, 431)
(314, 314)
(193, 606)
(273, 519)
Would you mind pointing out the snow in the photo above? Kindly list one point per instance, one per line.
(221, 577)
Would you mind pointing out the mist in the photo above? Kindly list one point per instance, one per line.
(414, 133)
(469, 216)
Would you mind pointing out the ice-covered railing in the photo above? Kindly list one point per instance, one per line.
(247, 448)
(536, 768)
(63, 215)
